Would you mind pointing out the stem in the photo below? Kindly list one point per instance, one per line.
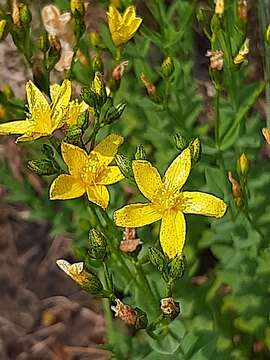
(217, 122)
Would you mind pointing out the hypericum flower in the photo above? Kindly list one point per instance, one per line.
(242, 54)
(43, 118)
(216, 59)
(123, 28)
(88, 173)
(219, 9)
(167, 202)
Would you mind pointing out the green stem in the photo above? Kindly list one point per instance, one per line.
(217, 121)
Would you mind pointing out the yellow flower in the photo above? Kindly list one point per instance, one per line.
(88, 173)
(123, 28)
(243, 53)
(45, 118)
(167, 202)
(75, 271)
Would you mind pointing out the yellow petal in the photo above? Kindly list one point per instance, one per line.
(35, 98)
(66, 187)
(99, 195)
(133, 27)
(60, 104)
(147, 178)
(203, 204)
(30, 137)
(16, 127)
(178, 172)
(106, 150)
(54, 91)
(172, 233)
(135, 215)
(114, 19)
(75, 158)
(129, 14)
(110, 175)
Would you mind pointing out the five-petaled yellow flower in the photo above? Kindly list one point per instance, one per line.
(45, 118)
(167, 202)
(123, 27)
(88, 173)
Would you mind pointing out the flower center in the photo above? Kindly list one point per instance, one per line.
(91, 171)
(166, 199)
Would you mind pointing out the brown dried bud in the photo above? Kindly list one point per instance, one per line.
(125, 313)
(130, 243)
(236, 189)
(266, 134)
(216, 59)
(150, 87)
(118, 71)
(170, 307)
(242, 10)
(15, 12)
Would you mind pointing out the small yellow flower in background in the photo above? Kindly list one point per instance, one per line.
(123, 27)
(75, 271)
(88, 173)
(43, 118)
(243, 52)
(266, 134)
(243, 164)
(219, 9)
(167, 202)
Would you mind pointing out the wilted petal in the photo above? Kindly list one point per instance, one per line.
(172, 233)
(202, 204)
(99, 195)
(178, 172)
(75, 158)
(135, 215)
(147, 178)
(66, 187)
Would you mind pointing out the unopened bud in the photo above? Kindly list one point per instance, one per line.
(73, 135)
(170, 308)
(167, 67)
(140, 153)
(181, 142)
(77, 7)
(242, 54)
(142, 320)
(97, 245)
(195, 148)
(125, 166)
(219, 9)
(88, 281)
(157, 259)
(114, 113)
(54, 52)
(3, 29)
(98, 87)
(43, 167)
(266, 134)
(25, 14)
(150, 87)
(242, 10)
(48, 151)
(216, 59)
(236, 189)
(97, 64)
(243, 164)
(176, 268)
(132, 317)
(43, 42)
(200, 17)
(15, 12)
(118, 71)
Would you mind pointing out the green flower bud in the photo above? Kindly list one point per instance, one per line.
(3, 29)
(243, 165)
(141, 320)
(170, 308)
(201, 17)
(95, 95)
(25, 14)
(140, 153)
(48, 151)
(97, 245)
(195, 148)
(43, 42)
(181, 142)
(157, 259)
(54, 52)
(77, 7)
(176, 268)
(125, 166)
(93, 285)
(114, 113)
(73, 135)
(43, 167)
(97, 64)
(167, 67)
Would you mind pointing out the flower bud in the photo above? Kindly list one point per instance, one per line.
(43, 167)
(195, 148)
(43, 42)
(114, 113)
(3, 29)
(181, 142)
(140, 153)
(201, 17)
(167, 67)
(266, 134)
(97, 64)
(150, 87)
(118, 71)
(87, 280)
(219, 9)
(54, 52)
(243, 164)
(242, 54)
(77, 7)
(15, 13)
(142, 320)
(170, 308)
(242, 10)
(97, 245)
(157, 259)
(132, 317)
(176, 268)
(25, 14)
(236, 190)
(73, 135)
(125, 166)
(48, 151)
(216, 59)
